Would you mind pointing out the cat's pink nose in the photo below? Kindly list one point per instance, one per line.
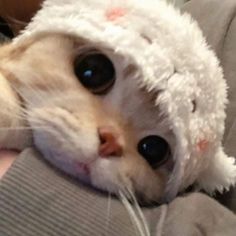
(109, 145)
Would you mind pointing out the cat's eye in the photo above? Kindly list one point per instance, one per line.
(95, 71)
(154, 149)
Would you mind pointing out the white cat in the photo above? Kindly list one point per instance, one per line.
(124, 95)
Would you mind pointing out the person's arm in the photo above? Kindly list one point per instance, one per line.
(18, 13)
(6, 160)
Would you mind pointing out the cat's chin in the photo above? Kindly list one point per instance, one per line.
(103, 175)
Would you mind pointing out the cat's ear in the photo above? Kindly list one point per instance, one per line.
(220, 174)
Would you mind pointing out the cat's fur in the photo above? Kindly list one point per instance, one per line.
(70, 115)
(167, 83)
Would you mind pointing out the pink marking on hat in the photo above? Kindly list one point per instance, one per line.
(115, 13)
(202, 145)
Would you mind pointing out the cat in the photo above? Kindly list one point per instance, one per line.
(84, 123)
(114, 96)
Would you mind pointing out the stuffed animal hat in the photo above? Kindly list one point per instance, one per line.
(175, 63)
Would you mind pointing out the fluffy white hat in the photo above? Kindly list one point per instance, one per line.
(175, 61)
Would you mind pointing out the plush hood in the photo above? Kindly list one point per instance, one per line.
(175, 62)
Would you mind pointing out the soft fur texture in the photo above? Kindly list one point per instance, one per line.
(173, 69)
(65, 117)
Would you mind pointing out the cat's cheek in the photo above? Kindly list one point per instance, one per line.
(65, 136)
(146, 183)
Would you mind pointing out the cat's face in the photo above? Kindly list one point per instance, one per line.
(91, 118)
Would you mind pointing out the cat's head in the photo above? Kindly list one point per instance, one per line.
(116, 95)
(90, 115)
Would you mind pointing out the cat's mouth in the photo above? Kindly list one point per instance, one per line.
(83, 168)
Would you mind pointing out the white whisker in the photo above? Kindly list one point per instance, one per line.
(108, 213)
(30, 88)
(132, 214)
(130, 195)
(140, 213)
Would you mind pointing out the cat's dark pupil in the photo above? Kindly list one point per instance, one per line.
(154, 149)
(95, 71)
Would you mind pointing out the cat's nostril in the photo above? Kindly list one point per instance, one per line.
(109, 144)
